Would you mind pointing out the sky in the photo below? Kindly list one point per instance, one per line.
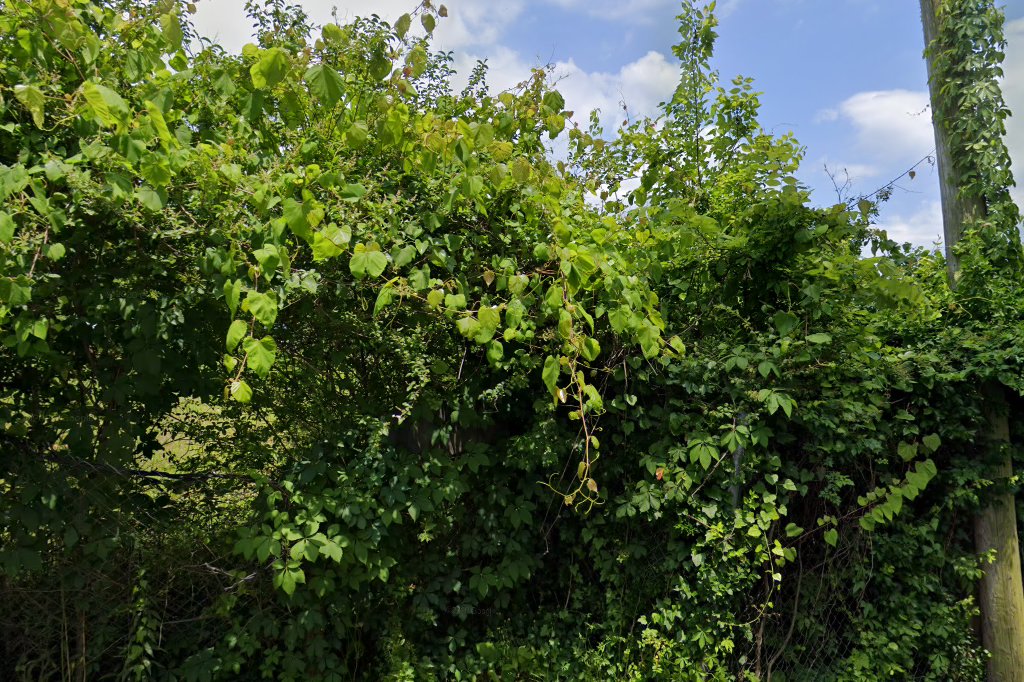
(847, 77)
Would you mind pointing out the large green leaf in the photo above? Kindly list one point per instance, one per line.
(367, 263)
(262, 306)
(240, 391)
(270, 69)
(330, 241)
(269, 258)
(326, 84)
(297, 216)
(152, 198)
(6, 227)
(785, 322)
(490, 318)
(236, 332)
(550, 373)
(33, 99)
(402, 25)
(105, 105)
(260, 355)
(15, 291)
(171, 30)
(232, 294)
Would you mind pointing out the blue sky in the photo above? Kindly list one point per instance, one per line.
(846, 76)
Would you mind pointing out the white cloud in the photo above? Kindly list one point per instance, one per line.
(473, 29)
(891, 125)
(728, 7)
(923, 227)
(469, 22)
(639, 86)
(630, 11)
(855, 171)
(826, 115)
(505, 68)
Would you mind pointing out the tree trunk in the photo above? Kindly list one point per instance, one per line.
(956, 210)
(1001, 592)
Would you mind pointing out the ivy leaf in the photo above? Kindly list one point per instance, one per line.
(831, 537)
(380, 65)
(55, 251)
(550, 374)
(819, 338)
(618, 318)
(564, 324)
(326, 84)
(236, 332)
(155, 169)
(404, 256)
(521, 169)
(932, 442)
(171, 31)
(554, 101)
(471, 186)
(419, 278)
(260, 355)
(514, 313)
(156, 117)
(271, 68)
(33, 99)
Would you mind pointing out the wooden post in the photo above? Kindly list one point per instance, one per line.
(1001, 591)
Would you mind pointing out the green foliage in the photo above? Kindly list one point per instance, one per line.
(347, 358)
(966, 56)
